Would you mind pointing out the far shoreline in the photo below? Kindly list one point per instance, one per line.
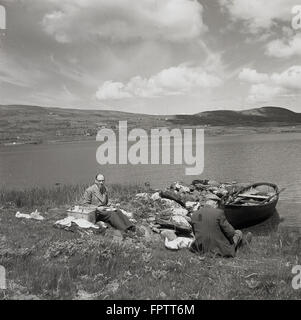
(210, 132)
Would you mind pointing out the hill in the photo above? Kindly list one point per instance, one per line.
(252, 117)
(35, 124)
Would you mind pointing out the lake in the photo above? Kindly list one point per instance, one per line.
(247, 158)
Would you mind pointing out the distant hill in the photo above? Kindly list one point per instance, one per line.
(36, 124)
(252, 117)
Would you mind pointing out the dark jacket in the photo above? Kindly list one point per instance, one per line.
(95, 197)
(213, 233)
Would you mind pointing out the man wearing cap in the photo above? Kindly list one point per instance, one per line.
(97, 195)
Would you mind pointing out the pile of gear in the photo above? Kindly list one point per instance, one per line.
(180, 201)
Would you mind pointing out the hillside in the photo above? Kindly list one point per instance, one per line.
(252, 117)
(34, 124)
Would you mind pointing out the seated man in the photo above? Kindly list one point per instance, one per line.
(97, 195)
(214, 234)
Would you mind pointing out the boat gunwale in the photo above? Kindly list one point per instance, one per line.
(256, 184)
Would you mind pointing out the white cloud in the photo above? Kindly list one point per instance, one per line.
(289, 79)
(282, 48)
(173, 81)
(259, 14)
(124, 20)
(251, 75)
(268, 86)
(263, 92)
(112, 90)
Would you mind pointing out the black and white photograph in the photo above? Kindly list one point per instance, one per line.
(150, 150)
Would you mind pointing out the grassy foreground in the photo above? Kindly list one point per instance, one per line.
(43, 262)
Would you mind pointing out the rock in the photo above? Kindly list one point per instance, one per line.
(181, 221)
(213, 183)
(180, 211)
(211, 203)
(190, 204)
(179, 186)
(171, 203)
(155, 196)
(211, 196)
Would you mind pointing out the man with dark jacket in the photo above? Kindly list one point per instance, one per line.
(214, 234)
(97, 195)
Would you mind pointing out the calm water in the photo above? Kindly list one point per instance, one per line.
(275, 158)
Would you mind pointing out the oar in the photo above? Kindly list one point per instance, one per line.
(252, 196)
(276, 194)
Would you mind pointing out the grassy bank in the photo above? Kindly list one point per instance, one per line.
(43, 262)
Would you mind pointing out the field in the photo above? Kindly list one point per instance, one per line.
(43, 262)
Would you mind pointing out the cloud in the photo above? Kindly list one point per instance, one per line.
(172, 81)
(124, 20)
(289, 79)
(268, 86)
(282, 48)
(252, 76)
(263, 92)
(259, 14)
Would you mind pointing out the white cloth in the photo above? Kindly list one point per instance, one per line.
(34, 215)
(82, 223)
(178, 243)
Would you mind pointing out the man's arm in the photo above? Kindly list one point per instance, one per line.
(226, 227)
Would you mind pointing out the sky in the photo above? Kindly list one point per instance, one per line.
(151, 56)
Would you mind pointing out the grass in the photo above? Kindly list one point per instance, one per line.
(43, 262)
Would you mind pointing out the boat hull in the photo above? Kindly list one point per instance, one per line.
(246, 216)
(243, 216)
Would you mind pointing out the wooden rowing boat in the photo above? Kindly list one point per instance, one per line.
(251, 205)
